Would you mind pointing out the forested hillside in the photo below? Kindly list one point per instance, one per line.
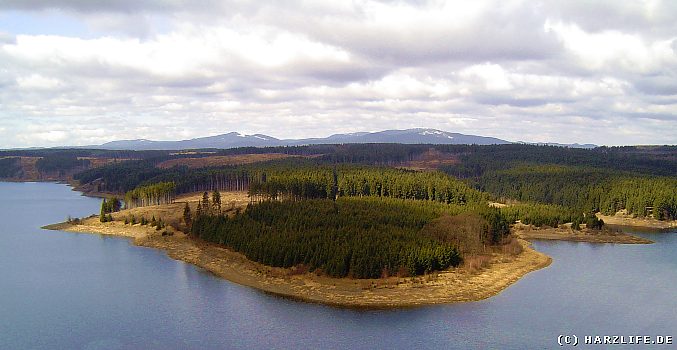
(357, 237)
(638, 179)
(61, 163)
(10, 167)
(477, 160)
(586, 189)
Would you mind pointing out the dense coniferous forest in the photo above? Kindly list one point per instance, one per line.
(586, 189)
(95, 153)
(318, 181)
(60, 162)
(10, 167)
(475, 161)
(357, 237)
(120, 177)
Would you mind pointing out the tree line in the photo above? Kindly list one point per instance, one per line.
(155, 194)
(586, 189)
(298, 179)
(109, 206)
(298, 183)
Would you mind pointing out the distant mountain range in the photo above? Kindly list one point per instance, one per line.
(235, 139)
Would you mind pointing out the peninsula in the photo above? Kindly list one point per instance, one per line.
(478, 278)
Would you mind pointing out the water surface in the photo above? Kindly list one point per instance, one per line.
(63, 290)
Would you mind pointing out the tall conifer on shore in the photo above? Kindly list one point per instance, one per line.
(187, 216)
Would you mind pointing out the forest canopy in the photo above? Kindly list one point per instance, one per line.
(357, 237)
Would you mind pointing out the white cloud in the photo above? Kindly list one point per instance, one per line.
(171, 70)
(37, 82)
(491, 76)
(614, 49)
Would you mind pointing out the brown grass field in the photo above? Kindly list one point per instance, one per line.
(222, 160)
(432, 159)
(29, 168)
(95, 162)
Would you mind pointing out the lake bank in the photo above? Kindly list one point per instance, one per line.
(455, 285)
(529, 232)
(621, 219)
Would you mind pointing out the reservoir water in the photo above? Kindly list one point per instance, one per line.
(63, 290)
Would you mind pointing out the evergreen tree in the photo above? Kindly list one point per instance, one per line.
(102, 214)
(115, 204)
(216, 202)
(198, 210)
(187, 219)
(205, 204)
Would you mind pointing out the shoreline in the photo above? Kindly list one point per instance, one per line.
(629, 221)
(461, 284)
(73, 184)
(443, 287)
(529, 233)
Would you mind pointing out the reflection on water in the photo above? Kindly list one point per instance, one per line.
(64, 290)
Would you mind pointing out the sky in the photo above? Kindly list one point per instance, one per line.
(83, 72)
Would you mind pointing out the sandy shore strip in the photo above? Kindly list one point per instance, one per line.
(622, 219)
(455, 285)
(567, 234)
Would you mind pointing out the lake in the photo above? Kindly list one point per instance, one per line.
(63, 290)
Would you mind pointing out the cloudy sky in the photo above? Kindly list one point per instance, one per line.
(78, 72)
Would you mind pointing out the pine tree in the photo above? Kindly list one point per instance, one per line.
(216, 202)
(102, 214)
(187, 219)
(115, 204)
(205, 203)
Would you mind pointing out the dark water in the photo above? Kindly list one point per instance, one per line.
(79, 291)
